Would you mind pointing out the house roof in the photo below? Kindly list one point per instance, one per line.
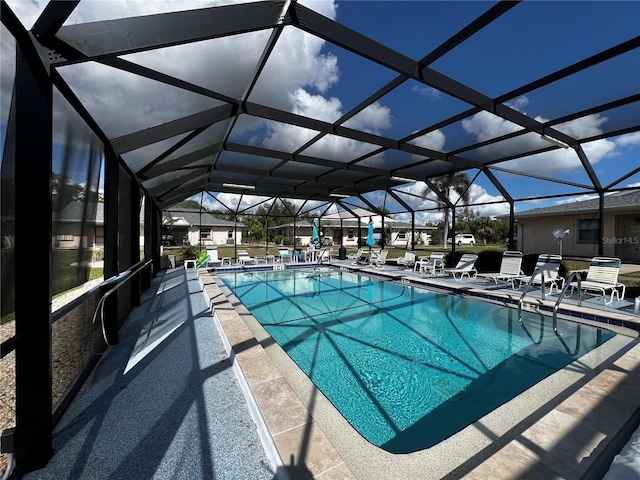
(75, 212)
(193, 216)
(619, 201)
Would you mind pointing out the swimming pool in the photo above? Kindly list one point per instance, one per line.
(405, 366)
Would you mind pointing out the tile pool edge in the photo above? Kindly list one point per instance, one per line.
(281, 441)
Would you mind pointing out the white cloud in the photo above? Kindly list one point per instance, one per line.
(630, 139)
(372, 119)
(434, 140)
(427, 92)
(584, 127)
(578, 198)
(485, 126)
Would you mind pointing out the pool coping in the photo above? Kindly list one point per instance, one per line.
(313, 436)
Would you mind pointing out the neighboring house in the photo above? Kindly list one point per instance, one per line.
(70, 231)
(620, 235)
(352, 229)
(400, 235)
(191, 227)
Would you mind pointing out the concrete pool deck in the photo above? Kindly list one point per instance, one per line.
(570, 425)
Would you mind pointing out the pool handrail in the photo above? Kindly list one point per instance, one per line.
(526, 289)
(121, 277)
(578, 279)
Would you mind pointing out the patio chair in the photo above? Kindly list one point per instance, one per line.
(432, 265)
(466, 266)
(368, 256)
(602, 276)
(325, 254)
(380, 260)
(355, 256)
(212, 260)
(244, 258)
(284, 255)
(547, 271)
(408, 260)
(510, 268)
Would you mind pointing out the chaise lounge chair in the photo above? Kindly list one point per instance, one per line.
(602, 277)
(466, 266)
(212, 260)
(547, 271)
(355, 256)
(510, 268)
(380, 260)
(244, 258)
(408, 260)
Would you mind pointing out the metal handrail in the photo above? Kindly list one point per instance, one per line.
(117, 281)
(526, 289)
(321, 254)
(63, 310)
(573, 275)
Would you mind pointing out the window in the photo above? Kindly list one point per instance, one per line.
(350, 234)
(205, 234)
(229, 233)
(588, 230)
(402, 235)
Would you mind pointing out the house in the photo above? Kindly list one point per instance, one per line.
(187, 227)
(578, 222)
(78, 224)
(190, 226)
(344, 229)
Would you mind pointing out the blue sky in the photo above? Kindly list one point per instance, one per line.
(309, 76)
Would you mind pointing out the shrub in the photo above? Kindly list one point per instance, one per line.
(189, 253)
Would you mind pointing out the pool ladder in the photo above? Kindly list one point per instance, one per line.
(574, 275)
(321, 254)
(526, 290)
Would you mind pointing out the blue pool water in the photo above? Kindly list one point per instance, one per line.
(405, 366)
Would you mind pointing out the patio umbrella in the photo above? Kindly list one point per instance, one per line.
(370, 240)
(316, 237)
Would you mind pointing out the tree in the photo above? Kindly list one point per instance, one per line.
(189, 204)
(279, 213)
(64, 192)
(446, 184)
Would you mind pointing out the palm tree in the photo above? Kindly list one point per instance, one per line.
(446, 184)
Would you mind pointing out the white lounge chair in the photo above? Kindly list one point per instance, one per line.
(368, 257)
(466, 266)
(602, 276)
(547, 271)
(355, 256)
(510, 268)
(244, 258)
(408, 260)
(432, 265)
(380, 260)
(213, 260)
